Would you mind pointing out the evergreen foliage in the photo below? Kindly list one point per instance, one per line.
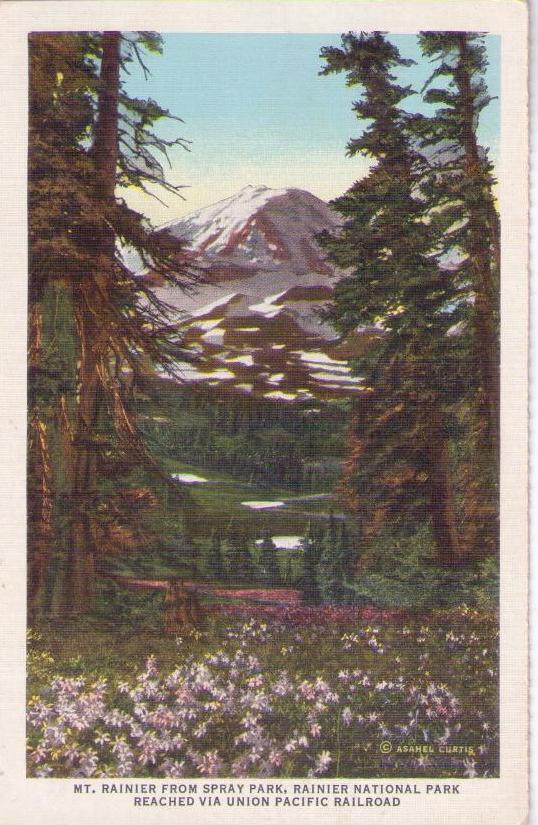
(400, 246)
(265, 443)
(269, 569)
(215, 560)
(289, 576)
(311, 545)
(94, 326)
(461, 183)
(240, 560)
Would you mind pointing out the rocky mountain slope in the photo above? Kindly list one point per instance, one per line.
(255, 327)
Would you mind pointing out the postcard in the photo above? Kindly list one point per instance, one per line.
(265, 358)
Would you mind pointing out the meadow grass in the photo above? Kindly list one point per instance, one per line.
(290, 694)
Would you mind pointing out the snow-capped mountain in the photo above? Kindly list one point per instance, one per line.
(255, 327)
(260, 228)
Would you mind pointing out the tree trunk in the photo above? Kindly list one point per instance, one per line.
(483, 248)
(105, 144)
(92, 313)
(182, 609)
(40, 482)
(79, 587)
(40, 514)
(442, 505)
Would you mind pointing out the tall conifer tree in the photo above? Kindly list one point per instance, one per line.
(311, 545)
(117, 322)
(463, 180)
(398, 287)
(215, 561)
(269, 568)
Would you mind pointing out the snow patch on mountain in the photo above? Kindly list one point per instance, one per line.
(205, 310)
(259, 228)
(254, 324)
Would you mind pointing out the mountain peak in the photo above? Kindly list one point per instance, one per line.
(255, 327)
(251, 187)
(260, 228)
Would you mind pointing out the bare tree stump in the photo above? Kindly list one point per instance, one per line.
(182, 609)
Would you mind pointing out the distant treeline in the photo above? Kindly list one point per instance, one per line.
(261, 442)
(322, 567)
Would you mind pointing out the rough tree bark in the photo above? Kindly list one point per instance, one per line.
(483, 251)
(40, 490)
(442, 503)
(91, 300)
(182, 609)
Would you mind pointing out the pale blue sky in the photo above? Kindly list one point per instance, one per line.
(256, 111)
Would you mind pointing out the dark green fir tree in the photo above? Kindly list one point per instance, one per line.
(215, 560)
(461, 182)
(311, 545)
(396, 287)
(269, 569)
(289, 575)
(240, 560)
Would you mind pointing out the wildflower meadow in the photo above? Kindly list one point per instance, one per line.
(287, 691)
